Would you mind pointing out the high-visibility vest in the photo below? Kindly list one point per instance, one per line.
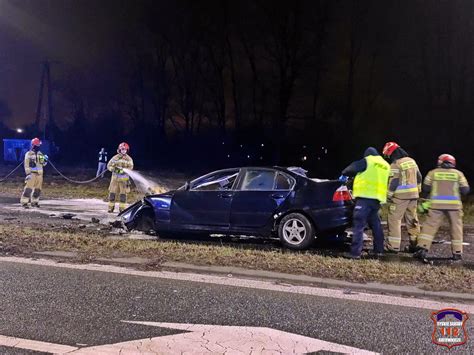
(373, 181)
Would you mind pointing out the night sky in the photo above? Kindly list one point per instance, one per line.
(76, 34)
(177, 75)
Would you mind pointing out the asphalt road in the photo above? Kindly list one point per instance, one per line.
(83, 308)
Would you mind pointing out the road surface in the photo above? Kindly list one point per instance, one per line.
(92, 309)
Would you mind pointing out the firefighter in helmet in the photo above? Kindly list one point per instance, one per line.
(404, 186)
(33, 164)
(445, 185)
(120, 182)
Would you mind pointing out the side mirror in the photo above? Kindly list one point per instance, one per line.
(187, 186)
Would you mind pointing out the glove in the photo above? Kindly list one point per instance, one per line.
(343, 179)
(424, 206)
(28, 177)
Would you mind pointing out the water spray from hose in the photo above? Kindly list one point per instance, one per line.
(145, 185)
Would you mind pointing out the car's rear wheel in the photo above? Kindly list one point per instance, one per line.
(296, 231)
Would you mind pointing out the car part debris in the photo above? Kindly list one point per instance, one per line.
(117, 224)
(68, 215)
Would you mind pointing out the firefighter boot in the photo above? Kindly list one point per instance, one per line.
(421, 254)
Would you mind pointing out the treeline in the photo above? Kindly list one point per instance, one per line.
(191, 81)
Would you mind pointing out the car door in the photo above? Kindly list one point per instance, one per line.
(259, 194)
(206, 204)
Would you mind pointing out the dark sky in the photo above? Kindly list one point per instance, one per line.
(75, 33)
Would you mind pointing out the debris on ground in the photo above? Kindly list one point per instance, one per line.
(68, 215)
(95, 220)
(117, 224)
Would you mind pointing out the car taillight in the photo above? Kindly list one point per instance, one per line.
(342, 194)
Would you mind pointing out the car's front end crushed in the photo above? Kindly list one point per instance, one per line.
(159, 204)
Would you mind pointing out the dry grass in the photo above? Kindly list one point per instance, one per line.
(24, 240)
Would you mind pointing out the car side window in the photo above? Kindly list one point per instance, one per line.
(258, 180)
(283, 182)
(217, 182)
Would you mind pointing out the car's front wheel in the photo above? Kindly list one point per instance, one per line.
(146, 221)
(296, 231)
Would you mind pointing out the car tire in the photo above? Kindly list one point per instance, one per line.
(296, 231)
(146, 221)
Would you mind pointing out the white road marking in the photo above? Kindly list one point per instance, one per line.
(198, 339)
(35, 345)
(254, 284)
(218, 339)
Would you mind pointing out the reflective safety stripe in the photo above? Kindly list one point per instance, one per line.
(395, 239)
(458, 242)
(408, 165)
(449, 197)
(425, 237)
(122, 177)
(448, 200)
(407, 188)
(446, 176)
(445, 202)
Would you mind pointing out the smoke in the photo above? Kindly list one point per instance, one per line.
(146, 185)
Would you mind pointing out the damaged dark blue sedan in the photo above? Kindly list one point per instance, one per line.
(255, 201)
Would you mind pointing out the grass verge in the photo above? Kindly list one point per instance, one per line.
(17, 239)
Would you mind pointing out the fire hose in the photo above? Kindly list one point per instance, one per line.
(60, 174)
(76, 181)
(11, 172)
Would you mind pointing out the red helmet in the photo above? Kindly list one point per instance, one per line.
(389, 148)
(35, 142)
(123, 145)
(446, 158)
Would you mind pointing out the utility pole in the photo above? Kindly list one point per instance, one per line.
(45, 84)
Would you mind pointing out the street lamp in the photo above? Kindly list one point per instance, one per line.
(19, 130)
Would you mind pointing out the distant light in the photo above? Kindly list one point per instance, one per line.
(304, 147)
(263, 145)
(241, 145)
(261, 158)
(223, 142)
(19, 130)
(325, 151)
(304, 158)
(322, 148)
(248, 156)
(228, 155)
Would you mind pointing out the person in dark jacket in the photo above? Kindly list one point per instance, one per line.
(370, 190)
(102, 167)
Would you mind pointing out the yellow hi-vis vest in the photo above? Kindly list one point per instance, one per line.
(373, 181)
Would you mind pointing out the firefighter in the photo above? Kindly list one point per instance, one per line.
(370, 190)
(404, 186)
(33, 164)
(445, 185)
(120, 182)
